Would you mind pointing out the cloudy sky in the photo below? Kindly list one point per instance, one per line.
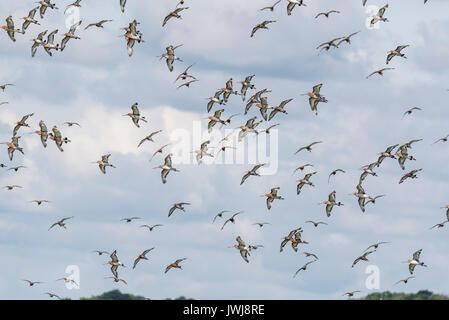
(94, 82)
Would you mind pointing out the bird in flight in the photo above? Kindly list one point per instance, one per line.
(396, 53)
(271, 8)
(178, 206)
(404, 280)
(128, 220)
(308, 147)
(303, 268)
(39, 202)
(231, 219)
(98, 24)
(60, 223)
(326, 14)
(174, 14)
(150, 227)
(141, 256)
(379, 72)
(410, 111)
(252, 172)
(175, 265)
(262, 25)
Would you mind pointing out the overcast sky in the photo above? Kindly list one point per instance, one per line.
(94, 82)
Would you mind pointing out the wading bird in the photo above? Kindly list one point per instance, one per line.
(362, 258)
(60, 223)
(141, 256)
(262, 25)
(292, 4)
(70, 35)
(361, 196)
(252, 172)
(412, 263)
(49, 44)
(379, 72)
(331, 202)
(439, 225)
(149, 138)
(396, 53)
(243, 248)
(219, 215)
(178, 206)
(122, 5)
(347, 39)
(294, 237)
(12, 187)
(135, 115)
(128, 220)
(166, 168)
(174, 14)
(304, 268)
(386, 154)
(350, 294)
(10, 30)
(316, 224)
(404, 280)
(75, 4)
(21, 123)
(150, 227)
(311, 255)
(410, 111)
(56, 136)
(279, 108)
(445, 139)
(376, 245)
(104, 162)
(304, 181)
(308, 147)
(170, 56)
(97, 24)
(373, 199)
(31, 283)
(40, 202)
(379, 16)
(175, 265)
(114, 263)
(116, 279)
(333, 173)
(52, 295)
(160, 150)
(410, 175)
(271, 8)
(13, 146)
(246, 84)
(302, 167)
(315, 97)
(185, 74)
(231, 219)
(260, 224)
(3, 86)
(326, 14)
(44, 5)
(29, 20)
(273, 195)
(131, 36)
(37, 42)
(16, 169)
(99, 252)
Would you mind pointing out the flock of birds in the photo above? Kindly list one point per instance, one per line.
(259, 99)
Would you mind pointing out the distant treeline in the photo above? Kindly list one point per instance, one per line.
(387, 295)
(117, 295)
(421, 295)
